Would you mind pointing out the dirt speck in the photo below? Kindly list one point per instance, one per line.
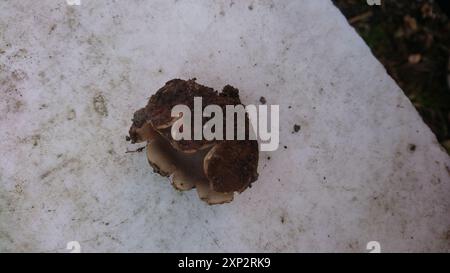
(100, 105)
(52, 28)
(35, 140)
(59, 167)
(250, 7)
(262, 100)
(412, 147)
(297, 128)
(71, 114)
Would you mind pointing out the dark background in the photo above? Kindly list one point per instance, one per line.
(411, 40)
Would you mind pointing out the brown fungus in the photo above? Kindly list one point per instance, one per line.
(216, 168)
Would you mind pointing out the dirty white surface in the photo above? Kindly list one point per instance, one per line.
(71, 78)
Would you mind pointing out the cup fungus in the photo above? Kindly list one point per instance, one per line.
(216, 168)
